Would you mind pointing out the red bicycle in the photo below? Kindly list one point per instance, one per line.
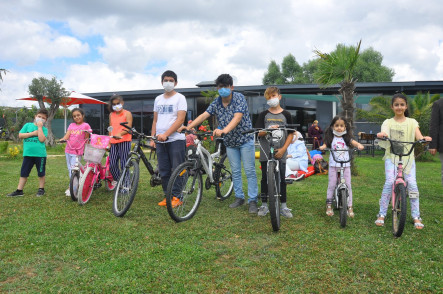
(95, 172)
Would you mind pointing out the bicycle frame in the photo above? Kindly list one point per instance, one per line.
(209, 162)
(341, 183)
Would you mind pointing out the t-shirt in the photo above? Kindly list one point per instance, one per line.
(117, 128)
(76, 140)
(401, 131)
(32, 146)
(265, 120)
(167, 109)
(339, 143)
(225, 115)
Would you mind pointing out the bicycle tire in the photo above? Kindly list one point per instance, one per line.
(126, 188)
(186, 184)
(343, 206)
(74, 183)
(86, 186)
(223, 179)
(273, 199)
(399, 210)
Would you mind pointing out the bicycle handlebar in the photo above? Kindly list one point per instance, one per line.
(332, 151)
(395, 151)
(133, 131)
(268, 130)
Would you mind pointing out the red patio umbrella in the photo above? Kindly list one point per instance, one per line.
(73, 99)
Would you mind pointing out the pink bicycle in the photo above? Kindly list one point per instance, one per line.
(95, 171)
(399, 194)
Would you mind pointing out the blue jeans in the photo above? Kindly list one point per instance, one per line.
(169, 156)
(246, 154)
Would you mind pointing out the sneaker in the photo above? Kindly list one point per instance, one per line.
(253, 207)
(286, 212)
(329, 211)
(263, 210)
(176, 202)
(238, 202)
(163, 202)
(68, 193)
(16, 193)
(40, 192)
(296, 177)
(114, 183)
(351, 213)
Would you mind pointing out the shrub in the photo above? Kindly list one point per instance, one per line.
(3, 147)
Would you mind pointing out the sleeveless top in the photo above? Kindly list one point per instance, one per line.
(116, 119)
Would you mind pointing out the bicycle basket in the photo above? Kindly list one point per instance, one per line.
(93, 154)
(398, 148)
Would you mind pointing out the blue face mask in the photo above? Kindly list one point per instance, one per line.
(224, 92)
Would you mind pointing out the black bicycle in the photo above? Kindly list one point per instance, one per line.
(128, 182)
(4, 134)
(273, 136)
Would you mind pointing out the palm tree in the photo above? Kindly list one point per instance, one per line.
(2, 71)
(338, 68)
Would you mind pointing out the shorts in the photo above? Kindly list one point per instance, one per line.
(28, 164)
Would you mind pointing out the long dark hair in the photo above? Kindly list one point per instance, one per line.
(82, 112)
(329, 135)
(401, 96)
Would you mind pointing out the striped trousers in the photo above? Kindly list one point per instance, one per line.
(117, 158)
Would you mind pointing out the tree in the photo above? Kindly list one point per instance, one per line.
(2, 72)
(292, 71)
(338, 68)
(273, 76)
(15, 118)
(369, 67)
(52, 89)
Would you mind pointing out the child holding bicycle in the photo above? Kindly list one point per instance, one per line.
(34, 152)
(75, 138)
(401, 128)
(337, 137)
(274, 117)
(121, 142)
(169, 114)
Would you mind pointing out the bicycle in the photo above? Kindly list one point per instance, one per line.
(341, 192)
(76, 171)
(186, 180)
(95, 172)
(128, 183)
(273, 172)
(399, 194)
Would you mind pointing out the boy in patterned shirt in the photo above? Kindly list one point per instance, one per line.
(233, 118)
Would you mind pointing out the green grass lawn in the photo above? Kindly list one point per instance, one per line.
(51, 244)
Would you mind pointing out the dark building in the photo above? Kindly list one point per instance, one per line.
(305, 102)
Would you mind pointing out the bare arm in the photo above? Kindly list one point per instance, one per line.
(181, 114)
(66, 136)
(356, 144)
(281, 151)
(419, 136)
(196, 122)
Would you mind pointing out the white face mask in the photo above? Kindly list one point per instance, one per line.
(37, 119)
(117, 107)
(273, 102)
(339, 134)
(168, 86)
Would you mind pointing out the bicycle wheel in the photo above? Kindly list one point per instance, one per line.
(126, 188)
(86, 185)
(399, 210)
(273, 199)
(223, 179)
(343, 206)
(186, 184)
(74, 184)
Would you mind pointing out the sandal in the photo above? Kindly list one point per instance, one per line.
(418, 224)
(380, 222)
(351, 213)
(329, 211)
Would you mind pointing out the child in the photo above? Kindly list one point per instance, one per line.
(169, 114)
(274, 117)
(337, 137)
(401, 128)
(34, 152)
(297, 158)
(76, 138)
(231, 110)
(120, 147)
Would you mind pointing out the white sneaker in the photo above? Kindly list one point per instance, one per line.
(68, 193)
(114, 183)
(263, 210)
(286, 212)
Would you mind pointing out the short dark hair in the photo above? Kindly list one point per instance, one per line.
(224, 80)
(43, 111)
(113, 97)
(169, 73)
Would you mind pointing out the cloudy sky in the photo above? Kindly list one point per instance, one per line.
(104, 45)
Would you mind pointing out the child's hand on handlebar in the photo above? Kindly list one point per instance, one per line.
(382, 135)
(218, 133)
(182, 128)
(360, 146)
(279, 154)
(162, 138)
(427, 138)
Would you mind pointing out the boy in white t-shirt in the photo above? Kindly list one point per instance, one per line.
(169, 114)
